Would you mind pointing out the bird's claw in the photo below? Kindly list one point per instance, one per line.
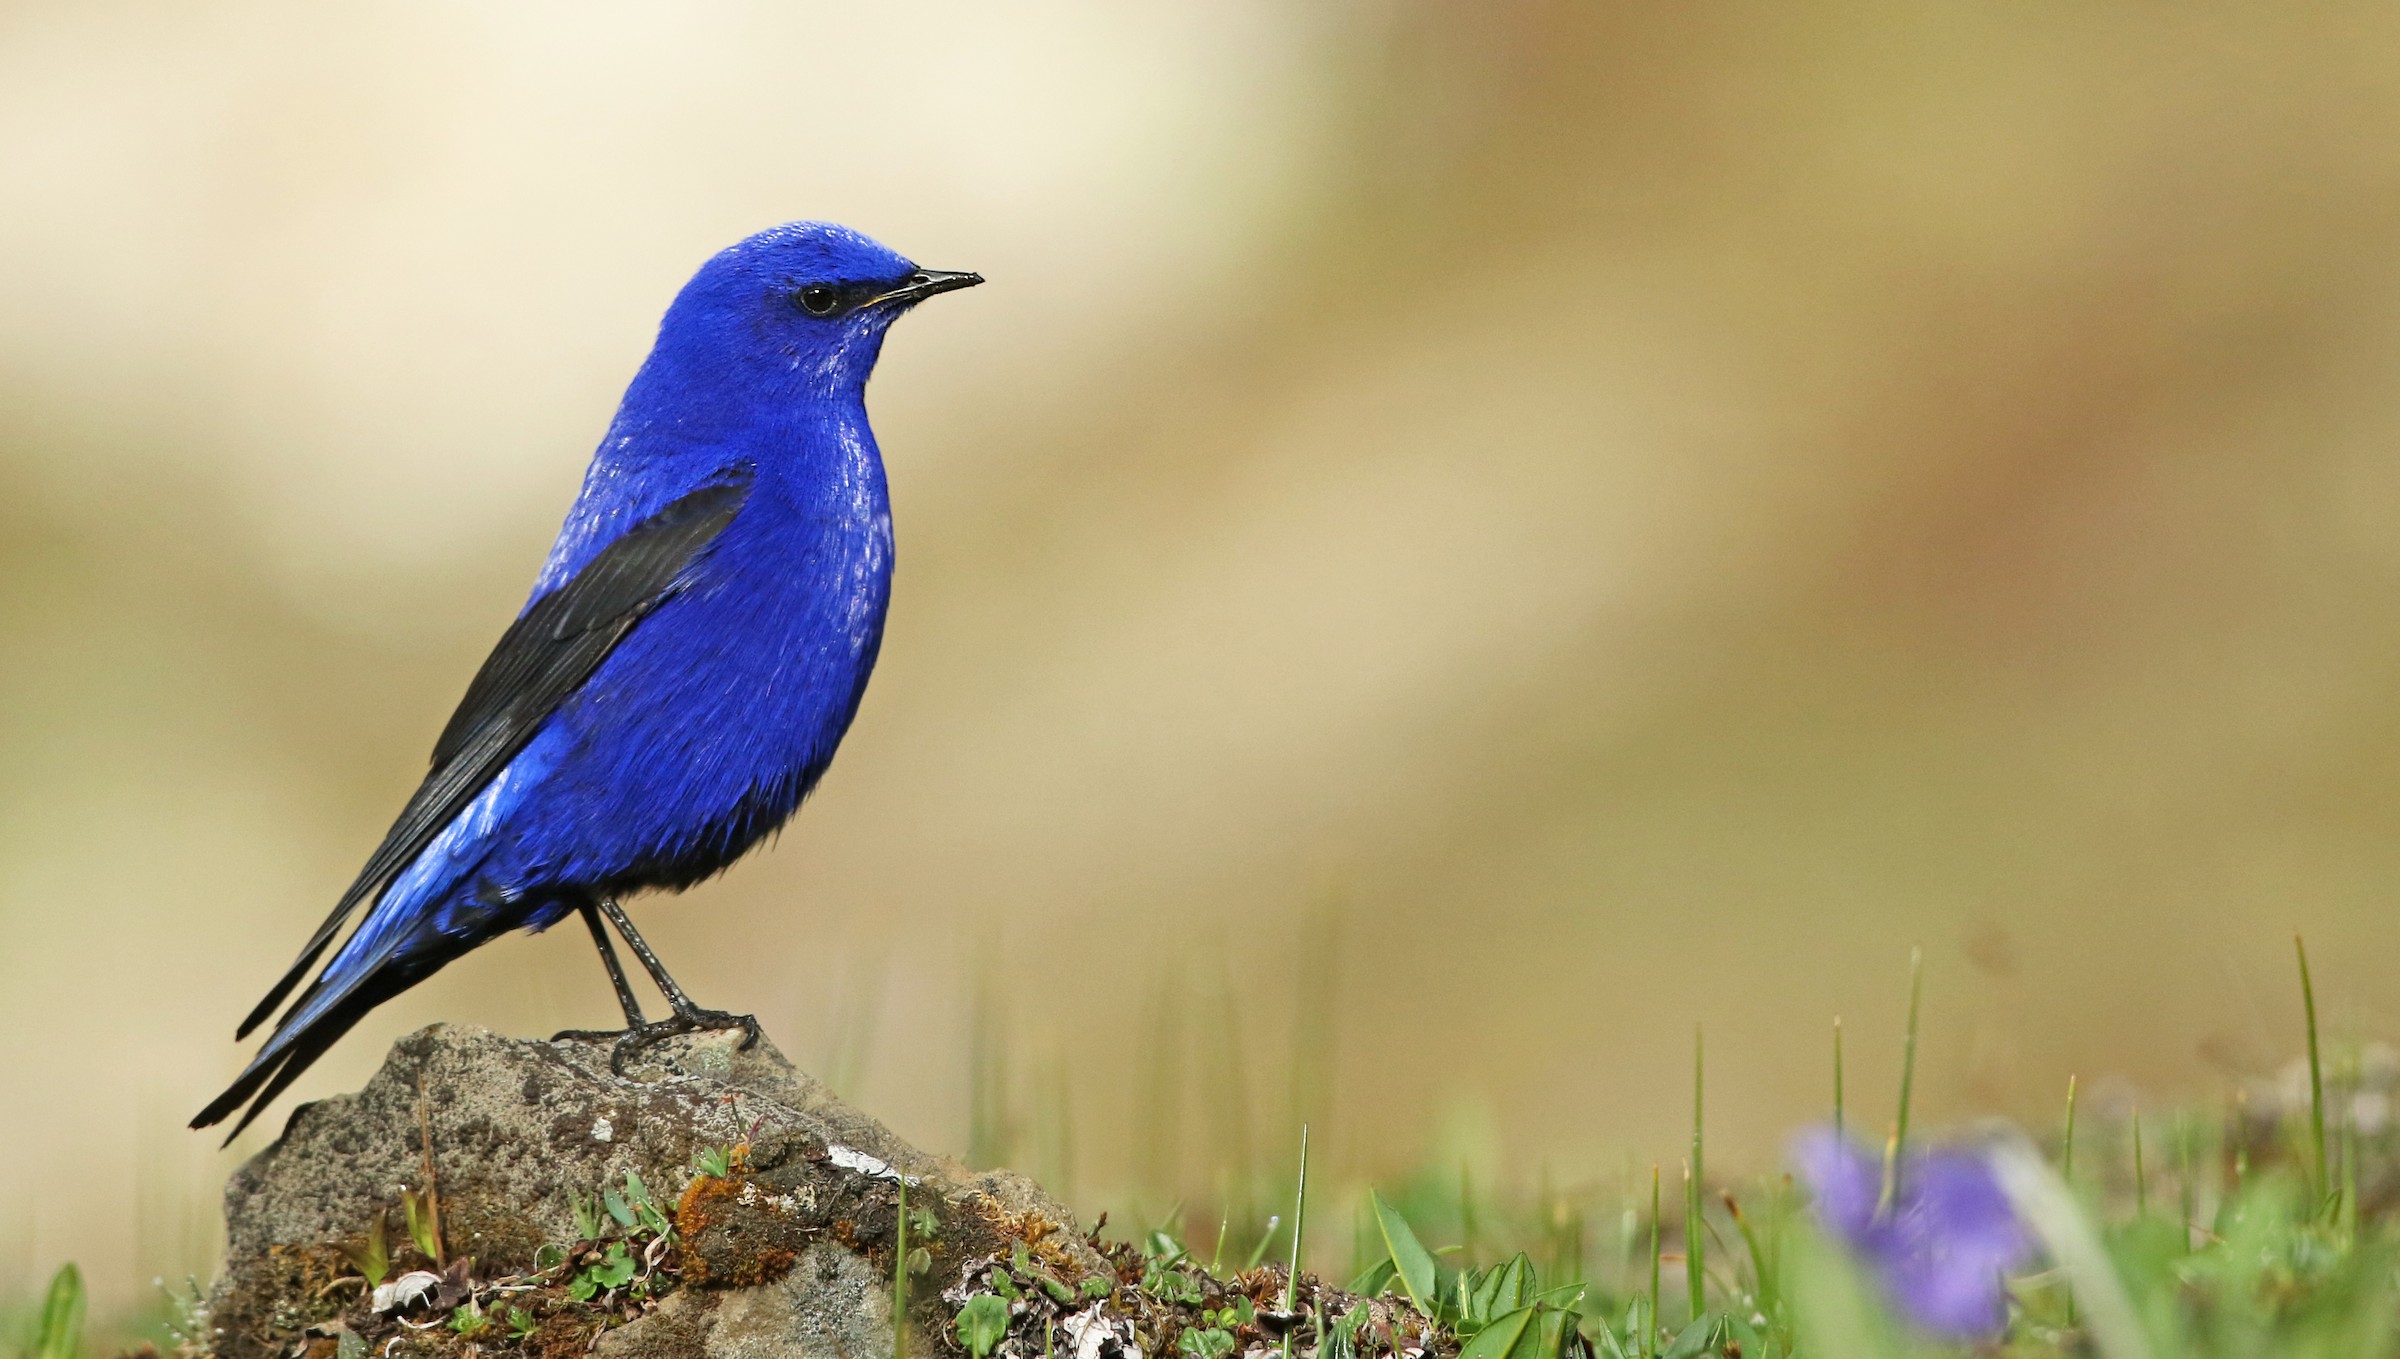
(632, 1041)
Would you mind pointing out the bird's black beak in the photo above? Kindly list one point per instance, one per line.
(926, 282)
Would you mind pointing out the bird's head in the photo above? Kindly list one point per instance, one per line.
(804, 303)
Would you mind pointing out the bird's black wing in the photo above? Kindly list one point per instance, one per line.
(552, 648)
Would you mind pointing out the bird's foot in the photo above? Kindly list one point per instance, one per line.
(633, 1040)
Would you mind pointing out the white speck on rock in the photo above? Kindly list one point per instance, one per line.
(1094, 1335)
(408, 1289)
(602, 1130)
(864, 1164)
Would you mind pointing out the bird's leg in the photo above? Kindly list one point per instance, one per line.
(687, 1018)
(616, 976)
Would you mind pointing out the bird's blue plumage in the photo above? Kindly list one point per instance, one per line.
(716, 596)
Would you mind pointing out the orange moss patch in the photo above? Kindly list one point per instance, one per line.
(729, 1234)
(1043, 1238)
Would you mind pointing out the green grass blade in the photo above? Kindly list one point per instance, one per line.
(1291, 1282)
(1908, 1082)
(1837, 1076)
(1466, 1210)
(2066, 1151)
(2066, 1169)
(2045, 1204)
(1762, 1269)
(2141, 1178)
(2316, 1070)
(60, 1335)
(1410, 1260)
(1651, 1325)
(1695, 1232)
(2346, 1183)
(1266, 1238)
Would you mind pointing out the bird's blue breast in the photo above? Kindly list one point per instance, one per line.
(712, 720)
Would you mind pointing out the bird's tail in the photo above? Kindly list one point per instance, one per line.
(356, 981)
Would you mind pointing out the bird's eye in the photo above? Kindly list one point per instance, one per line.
(817, 300)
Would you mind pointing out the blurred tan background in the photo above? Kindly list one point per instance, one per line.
(1460, 542)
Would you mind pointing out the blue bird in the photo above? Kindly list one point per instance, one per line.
(693, 650)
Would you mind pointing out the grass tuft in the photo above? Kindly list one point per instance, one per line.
(2277, 1232)
(2316, 1072)
(1695, 1231)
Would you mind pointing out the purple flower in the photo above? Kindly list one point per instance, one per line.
(1942, 1249)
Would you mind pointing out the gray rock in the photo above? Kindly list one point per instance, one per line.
(789, 1254)
(830, 1306)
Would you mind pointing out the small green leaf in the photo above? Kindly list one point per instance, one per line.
(981, 1324)
(1474, 1300)
(1503, 1290)
(1410, 1260)
(1209, 1343)
(1159, 1245)
(1554, 1330)
(1513, 1285)
(1499, 1338)
(636, 1192)
(587, 1217)
(1698, 1339)
(421, 1230)
(1351, 1324)
(615, 1270)
(60, 1335)
(1371, 1281)
(1446, 1286)
(373, 1259)
(1567, 1297)
(618, 1208)
(1098, 1286)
